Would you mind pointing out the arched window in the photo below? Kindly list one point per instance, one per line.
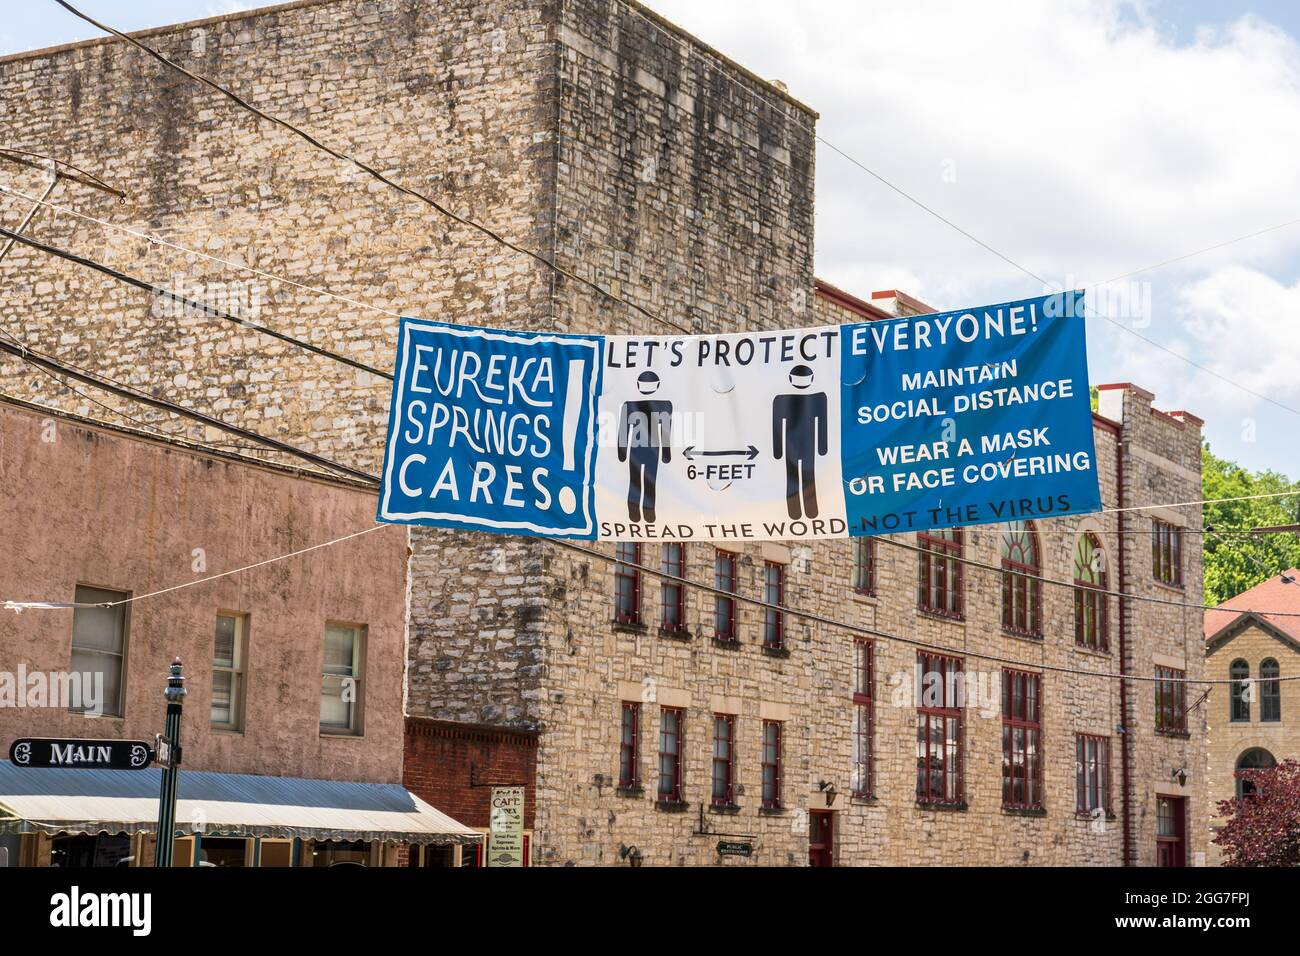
(1239, 691)
(1270, 691)
(939, 584)
(1021, 608)
(1257, 758)
(1090, 617)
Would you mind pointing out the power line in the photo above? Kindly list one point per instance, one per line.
(20, 606)
(158, 241)
(686, 582)
(376, 174)
(872, 632)
(203, 308)
(53, 364)
(26, 157)
(1126, 595)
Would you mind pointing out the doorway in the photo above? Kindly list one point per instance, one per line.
(821, 838)
(1171, 831)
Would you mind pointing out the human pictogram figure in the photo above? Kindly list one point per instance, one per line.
(645, 430)
(799, 435)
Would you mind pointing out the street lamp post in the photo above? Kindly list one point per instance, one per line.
(171, 769)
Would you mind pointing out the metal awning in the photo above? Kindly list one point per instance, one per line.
(53, 800)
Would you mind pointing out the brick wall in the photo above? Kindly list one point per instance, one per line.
(454, 767)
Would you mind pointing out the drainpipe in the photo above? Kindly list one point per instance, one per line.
(1126, 810)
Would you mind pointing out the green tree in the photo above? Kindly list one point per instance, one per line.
(1238, 562)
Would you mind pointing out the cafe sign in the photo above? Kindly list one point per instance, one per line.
(81, 754)
(506, 837)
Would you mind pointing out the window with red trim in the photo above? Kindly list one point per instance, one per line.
(1021, 604)
(773, 593)
(672, 732)
(629, 748)
(724, 754)
(672, 594)
(1091, 623)
(1091, 773)
(939, 589)
(864, 565)
(1022, 740)
(1167, 553)
(864, 679)
(724, 607)
(938, 729)
(1171, 701)
(627, 583)
(772, 764)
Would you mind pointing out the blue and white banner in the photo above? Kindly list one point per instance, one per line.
(938, 420)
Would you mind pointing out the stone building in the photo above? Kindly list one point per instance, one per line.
(600, 135)
(1251, 723)
(292, 730)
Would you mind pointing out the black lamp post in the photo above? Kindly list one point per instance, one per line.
(175, 695)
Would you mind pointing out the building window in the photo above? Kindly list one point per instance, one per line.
(672, 594)
(864, 565)
(1021, 605)
(1091, 773)
(340, 693)
(1256, 758)
(1239, 690)
(1090, 604)
(864, 681)
(228, 652)
(671, 733)
(773, 593)
(724, 607)
(724, 752)
(1270, 692)
(99, 650)
(939, 588)
(1167, 553)
(629, 747)
(1171, 701)
(627, 583)
(938, 729)
(1022, 765)
(772, 764)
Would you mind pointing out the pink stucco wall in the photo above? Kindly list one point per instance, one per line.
(98, 507)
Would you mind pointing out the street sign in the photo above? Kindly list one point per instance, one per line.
(164, 754)
(81, 754)
(729, 848)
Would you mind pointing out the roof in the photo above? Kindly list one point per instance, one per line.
(126, 801)
(1275, 594)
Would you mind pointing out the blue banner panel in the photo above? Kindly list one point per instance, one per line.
(969, 417)
(492, 430)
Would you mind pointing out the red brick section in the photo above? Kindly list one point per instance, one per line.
(441, 755)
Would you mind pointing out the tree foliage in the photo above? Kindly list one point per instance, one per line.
(1242, 561)
(1263, 828)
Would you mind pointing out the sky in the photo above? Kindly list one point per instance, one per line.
(1082, 140)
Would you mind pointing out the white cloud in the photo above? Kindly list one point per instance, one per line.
(1086, 142)
(1250, 324)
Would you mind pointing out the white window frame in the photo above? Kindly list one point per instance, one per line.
(237, 682)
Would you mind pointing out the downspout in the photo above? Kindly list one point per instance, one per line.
(1126, 810)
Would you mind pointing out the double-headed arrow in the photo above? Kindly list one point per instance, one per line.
(692, 453)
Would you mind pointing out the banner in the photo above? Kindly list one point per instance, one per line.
(938, 420)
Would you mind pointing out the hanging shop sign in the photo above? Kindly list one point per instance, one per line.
(506, 827)
(81, 754)
(941, 420)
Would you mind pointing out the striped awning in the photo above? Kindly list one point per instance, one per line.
(53, 800)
